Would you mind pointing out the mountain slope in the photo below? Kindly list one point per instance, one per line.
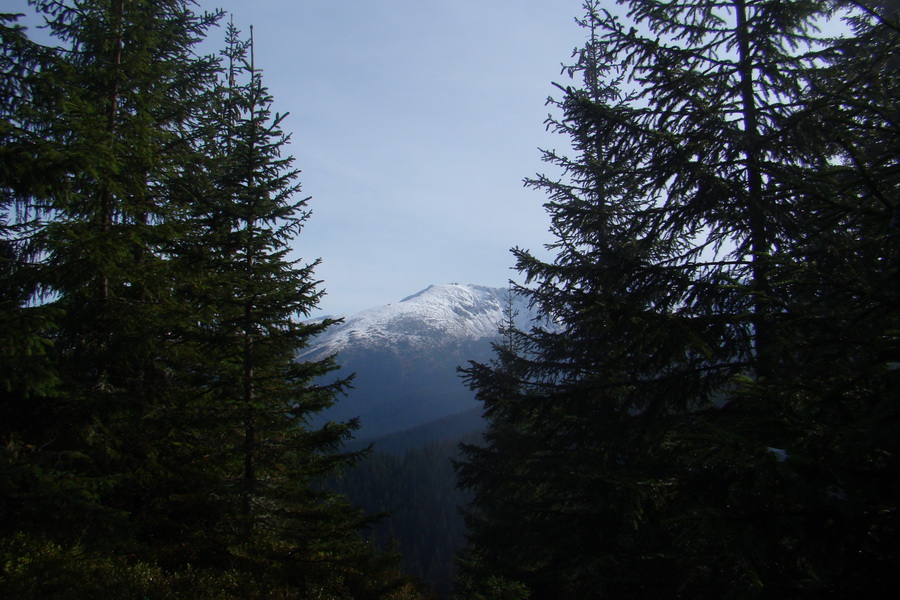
(405, 354)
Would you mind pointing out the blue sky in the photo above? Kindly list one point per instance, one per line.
(414, 123)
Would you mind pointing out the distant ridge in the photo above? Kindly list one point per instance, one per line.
(446, 429)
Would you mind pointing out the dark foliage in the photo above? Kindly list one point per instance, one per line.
(416, 488)
(155, 426)
(716, 416)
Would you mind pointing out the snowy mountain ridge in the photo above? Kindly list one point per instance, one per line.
(405, 355)
(439, 312)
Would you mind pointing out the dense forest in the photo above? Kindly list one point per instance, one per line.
(711, 413)
(409, 478)
(416, 489)
(718, 415)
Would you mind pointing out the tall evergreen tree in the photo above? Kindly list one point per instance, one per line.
(660, 443)
(274, 515)
(165, 448)
(23, 371)
(26, 371)
(839, 377)
(118, 96)
(86, 139)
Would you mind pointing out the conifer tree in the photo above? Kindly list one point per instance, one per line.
(26, 373)
(659, 443)
(70, 471)
(120, 94)
(839, 376)
(274, 515)
(164, 445)
(23, 369)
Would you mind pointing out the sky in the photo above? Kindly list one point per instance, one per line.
(414, 123)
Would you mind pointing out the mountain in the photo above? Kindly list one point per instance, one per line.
(417, 487)
(405, 354)
(446, 430)
(415, 409)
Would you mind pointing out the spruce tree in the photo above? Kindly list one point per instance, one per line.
(118, 98)
(661, 442)
(274, 515)
(839, 377)
(24, 371)
(162, 445)
(27, 375)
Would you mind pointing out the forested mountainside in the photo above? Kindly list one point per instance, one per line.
(416, 485)
(455, 427)
(405, 358)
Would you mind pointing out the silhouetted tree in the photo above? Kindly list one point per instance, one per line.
(671, 438)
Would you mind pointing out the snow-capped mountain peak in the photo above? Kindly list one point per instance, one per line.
(439, 312)
(405, 355)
